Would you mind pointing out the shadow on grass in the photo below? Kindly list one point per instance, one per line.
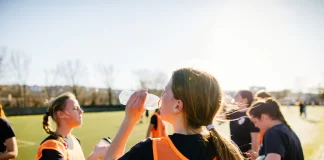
(313, 121)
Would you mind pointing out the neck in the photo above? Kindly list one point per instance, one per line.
(180, 127)
(273, 123)
(63, 130)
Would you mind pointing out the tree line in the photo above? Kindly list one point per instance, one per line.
(15, 65)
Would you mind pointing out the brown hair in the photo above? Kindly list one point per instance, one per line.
(201, 98)
(262, 94)
(2, 114)
(270, 107)
(54, 106)
(247, 95)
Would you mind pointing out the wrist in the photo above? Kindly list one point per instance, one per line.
(255, 154)
(93, 156)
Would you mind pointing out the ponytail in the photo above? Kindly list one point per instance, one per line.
(224, 148)
(46, 125)
(48, 129)
(279, 116)
(283, 120)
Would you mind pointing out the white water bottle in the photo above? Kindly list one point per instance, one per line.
(151, 102)
(104, 142)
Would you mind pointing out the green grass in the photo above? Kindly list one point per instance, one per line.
(98, 125)
(95, 126)
(310, 149)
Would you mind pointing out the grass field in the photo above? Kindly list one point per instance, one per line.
(97, 125)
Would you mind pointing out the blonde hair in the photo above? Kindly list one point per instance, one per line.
(201, 96)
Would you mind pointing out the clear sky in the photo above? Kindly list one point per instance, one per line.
(242, 43)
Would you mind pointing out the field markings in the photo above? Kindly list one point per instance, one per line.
(22, 143)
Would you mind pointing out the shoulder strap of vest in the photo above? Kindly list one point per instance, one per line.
(156, 114)
(77, 139)
(154, 148)
(53, 145)
(165, 141)
(174, 148)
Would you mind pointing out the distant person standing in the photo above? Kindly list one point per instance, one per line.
(302, 108)
(157, 127)
(147, 114)
(141, 120)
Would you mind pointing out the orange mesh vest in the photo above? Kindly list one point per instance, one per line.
(75, 154)
(160, 129)
(164, 149)
(261, 136)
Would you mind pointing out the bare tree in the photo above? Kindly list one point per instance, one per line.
(106, 73)
(3, 56)
(72, 72)
(160, 79)
(151, 79)
(20, 63)
(144, 77)
(50, 77)
(320, 89)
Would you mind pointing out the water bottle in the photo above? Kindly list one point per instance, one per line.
(151, 103)
(104, 142)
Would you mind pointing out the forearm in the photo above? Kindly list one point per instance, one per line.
(93, 157)
(255, 141)
(148, 134)
(8, 155)
(118, 144)
(273, 156)
(255, 145)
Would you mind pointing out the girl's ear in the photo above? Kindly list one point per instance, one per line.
(60, 114)
(264, 117)
(178, 108)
